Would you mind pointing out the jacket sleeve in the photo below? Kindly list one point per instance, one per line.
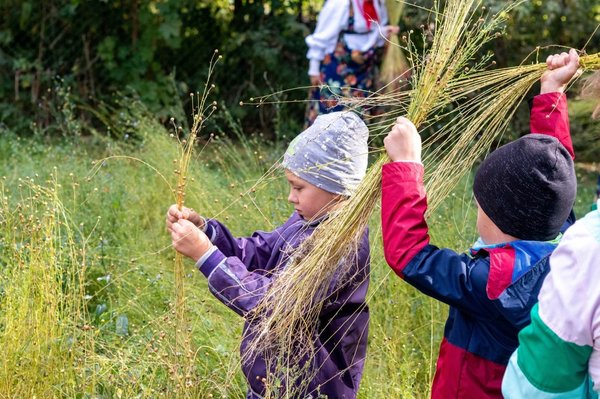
(549, 115)
(440, 273)
(252, 251)
(343, 327)
(232, 283)
(403, 206)
(330, 22)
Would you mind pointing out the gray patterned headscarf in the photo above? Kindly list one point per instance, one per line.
(332, 153)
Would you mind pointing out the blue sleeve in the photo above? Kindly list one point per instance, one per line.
(455, 279)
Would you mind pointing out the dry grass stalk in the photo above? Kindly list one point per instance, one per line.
(394, 63)
(43, 316)
(201, 110)
(591, 87)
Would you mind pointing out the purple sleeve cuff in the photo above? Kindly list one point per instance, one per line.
(209, 230)
(210, 260)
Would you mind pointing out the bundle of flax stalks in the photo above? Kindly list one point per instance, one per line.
(284, 323)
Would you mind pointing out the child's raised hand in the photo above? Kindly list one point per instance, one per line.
(561, 69)
(403, 143)
(189, 240)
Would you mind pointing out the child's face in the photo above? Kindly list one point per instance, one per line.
(310, 201)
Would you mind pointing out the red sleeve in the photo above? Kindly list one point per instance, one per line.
(403, 206)
(549, 115)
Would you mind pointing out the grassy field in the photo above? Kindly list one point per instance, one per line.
(86, 271)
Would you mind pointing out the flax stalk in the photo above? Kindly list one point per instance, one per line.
(183, 360)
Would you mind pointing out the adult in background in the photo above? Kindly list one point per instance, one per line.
(345, 52)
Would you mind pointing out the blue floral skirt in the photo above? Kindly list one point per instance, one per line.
(344, 73)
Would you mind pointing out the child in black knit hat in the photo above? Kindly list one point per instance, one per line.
(525, 191)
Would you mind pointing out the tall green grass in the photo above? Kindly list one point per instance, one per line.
(43, 323)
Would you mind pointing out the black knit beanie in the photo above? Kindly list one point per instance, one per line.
(527, 187)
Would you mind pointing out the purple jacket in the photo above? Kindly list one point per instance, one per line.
(239, 272)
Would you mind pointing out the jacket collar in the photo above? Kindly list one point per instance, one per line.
(312, 223)
(510, 261)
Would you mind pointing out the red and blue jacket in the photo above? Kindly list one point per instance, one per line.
(490, 289)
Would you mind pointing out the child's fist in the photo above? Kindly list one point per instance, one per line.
(561, 69)
(403, 143)
(189, 240)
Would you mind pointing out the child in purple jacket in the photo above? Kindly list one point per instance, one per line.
(323, 166)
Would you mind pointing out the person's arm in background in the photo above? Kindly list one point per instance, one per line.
(386, 27)
(330, 22)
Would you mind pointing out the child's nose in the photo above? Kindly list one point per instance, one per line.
(291, 197)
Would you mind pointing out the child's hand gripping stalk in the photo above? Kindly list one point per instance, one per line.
(403, 143)
(561, 69)
(189, 240)
(174, 214)
(186, 234)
